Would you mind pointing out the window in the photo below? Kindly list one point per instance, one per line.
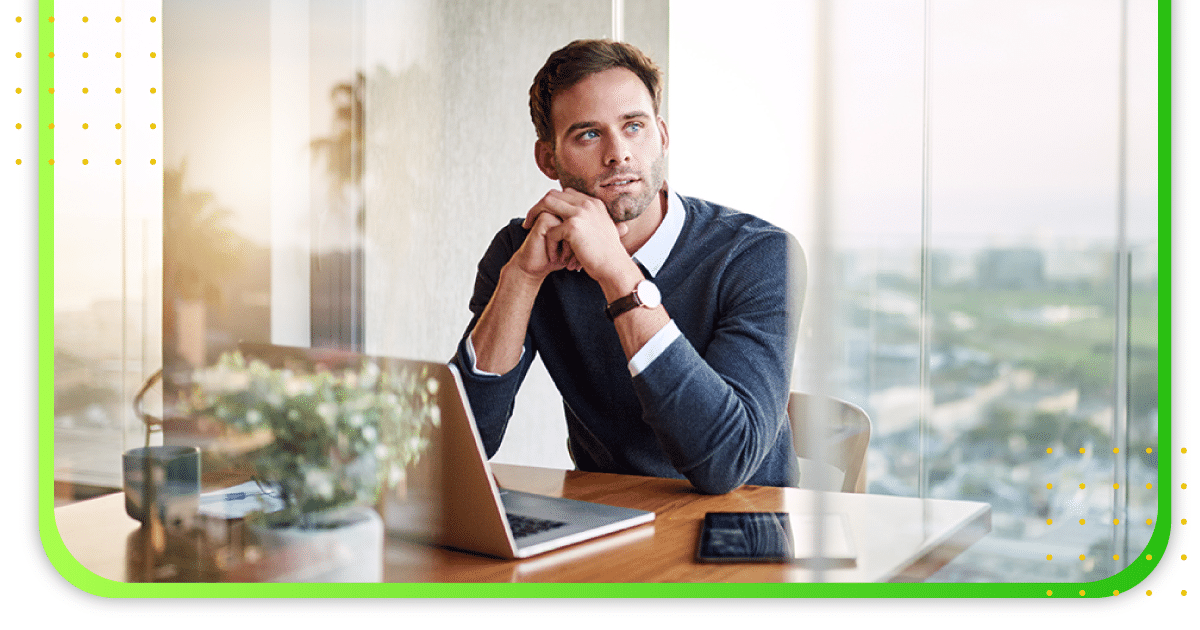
(975, 187)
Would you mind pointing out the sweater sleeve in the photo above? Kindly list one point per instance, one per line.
(718, 416)
(492, 397)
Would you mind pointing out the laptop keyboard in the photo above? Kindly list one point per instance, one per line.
(528, 525)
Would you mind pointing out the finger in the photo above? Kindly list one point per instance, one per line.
(567, 253)
(622, 229)
(563, 204)
(550, 203)
(536, 211)
(541, 221)
(531, 216)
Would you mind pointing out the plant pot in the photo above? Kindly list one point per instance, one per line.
(343, 547)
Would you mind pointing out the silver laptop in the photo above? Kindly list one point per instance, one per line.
(451, 498)
(480, 517)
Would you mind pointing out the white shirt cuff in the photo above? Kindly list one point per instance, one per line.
(656, 346)
(471, 356)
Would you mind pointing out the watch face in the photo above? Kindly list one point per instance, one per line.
(649, 294)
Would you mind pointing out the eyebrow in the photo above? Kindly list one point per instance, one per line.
(588, 124)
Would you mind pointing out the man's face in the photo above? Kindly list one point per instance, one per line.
(608, 142)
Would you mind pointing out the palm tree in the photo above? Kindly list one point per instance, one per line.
(200, 252)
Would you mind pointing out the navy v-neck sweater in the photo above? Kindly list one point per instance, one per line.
(712, 408)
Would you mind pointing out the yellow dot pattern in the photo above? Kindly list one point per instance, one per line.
(1115, 521)
(132, 67)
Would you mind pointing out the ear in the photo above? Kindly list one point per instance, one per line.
(662, 131)
(543, 154)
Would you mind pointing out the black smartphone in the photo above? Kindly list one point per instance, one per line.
(746, 537)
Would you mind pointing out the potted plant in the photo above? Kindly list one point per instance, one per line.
(326, 444)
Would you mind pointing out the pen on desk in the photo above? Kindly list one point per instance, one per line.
(237, 496)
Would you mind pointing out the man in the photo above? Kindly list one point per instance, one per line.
(667, 323)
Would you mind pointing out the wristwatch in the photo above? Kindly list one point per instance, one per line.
(644, 294)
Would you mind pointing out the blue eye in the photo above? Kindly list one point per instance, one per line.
(588, 135)
(635, 126)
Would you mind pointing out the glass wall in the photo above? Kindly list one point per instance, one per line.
(975, 186)
(107, 238)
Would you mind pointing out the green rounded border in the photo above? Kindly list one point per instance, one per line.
(82, 578)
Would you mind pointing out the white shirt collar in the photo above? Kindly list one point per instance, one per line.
(653, 255)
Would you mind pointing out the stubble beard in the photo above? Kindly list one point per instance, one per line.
(627, 206)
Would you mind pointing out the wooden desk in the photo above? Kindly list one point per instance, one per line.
(897, 538)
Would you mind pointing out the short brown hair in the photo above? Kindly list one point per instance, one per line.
(577, 61)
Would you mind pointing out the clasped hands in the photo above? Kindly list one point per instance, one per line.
(571, 230)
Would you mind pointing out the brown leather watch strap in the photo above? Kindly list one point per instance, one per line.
(622, 305)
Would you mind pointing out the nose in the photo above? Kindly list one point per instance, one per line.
(617, 151)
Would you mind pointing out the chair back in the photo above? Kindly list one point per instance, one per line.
(848, 432)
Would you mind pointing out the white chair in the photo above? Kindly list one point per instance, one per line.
(848, 433)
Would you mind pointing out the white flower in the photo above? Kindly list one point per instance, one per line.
(319, 481)
(328, 411)
(296, 385)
